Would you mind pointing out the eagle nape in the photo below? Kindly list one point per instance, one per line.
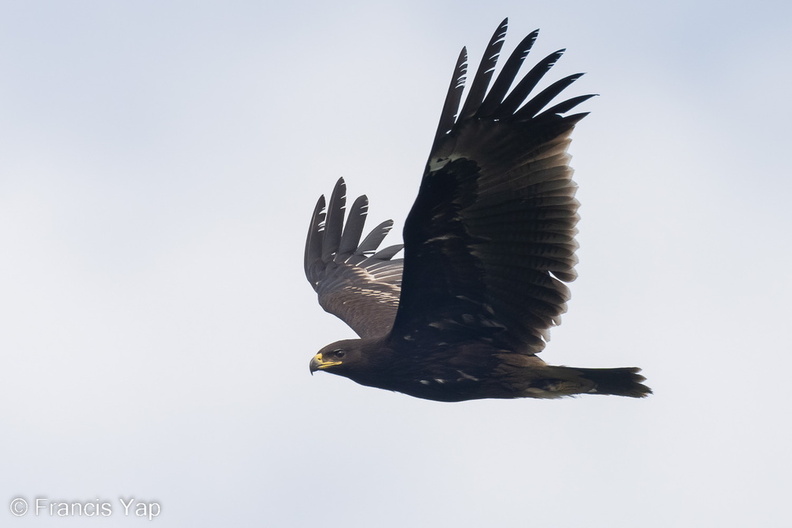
(489, 246)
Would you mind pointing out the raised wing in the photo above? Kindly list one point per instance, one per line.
(354, 281)
(489, 241)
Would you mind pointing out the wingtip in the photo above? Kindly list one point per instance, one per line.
(339, 186)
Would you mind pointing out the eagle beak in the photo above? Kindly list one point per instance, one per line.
(318, 363)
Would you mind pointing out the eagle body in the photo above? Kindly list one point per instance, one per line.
(453, 373)
(488, 247)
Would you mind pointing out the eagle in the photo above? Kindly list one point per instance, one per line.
(488, 247)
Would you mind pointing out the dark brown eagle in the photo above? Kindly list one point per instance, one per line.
(488, 246)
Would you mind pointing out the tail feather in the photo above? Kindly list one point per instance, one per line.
(625, 381)
(553, 381)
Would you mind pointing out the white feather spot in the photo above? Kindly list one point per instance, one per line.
(439, 238)
(466, 376)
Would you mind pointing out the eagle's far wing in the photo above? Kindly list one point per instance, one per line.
(490, 239)
(354, 280)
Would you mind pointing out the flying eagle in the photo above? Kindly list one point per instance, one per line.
(488, 246)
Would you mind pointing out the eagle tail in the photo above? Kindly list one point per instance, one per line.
(625, 381)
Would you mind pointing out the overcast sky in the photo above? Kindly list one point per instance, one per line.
(159, 162)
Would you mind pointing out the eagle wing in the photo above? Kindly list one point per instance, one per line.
(490, 239)
(354, 280)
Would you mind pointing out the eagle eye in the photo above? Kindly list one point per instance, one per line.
(338, 353)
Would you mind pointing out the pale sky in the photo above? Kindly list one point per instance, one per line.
(159, 162)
